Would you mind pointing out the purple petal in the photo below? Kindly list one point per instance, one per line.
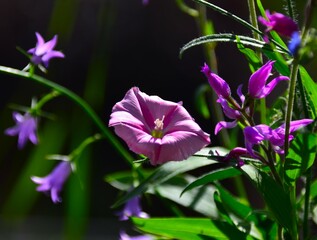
(258, 79)
(40, 40)
(270, 86)
(51, 54)
(46, 47)
(222, 124)
(228, 111)
(219, 85)
(240, 94)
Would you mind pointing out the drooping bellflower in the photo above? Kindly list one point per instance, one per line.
(54, 182)
(256, 134)
(43, 52)
(132, 208)
(125, 236)
(280, 23)
(159, 129)
(257, 82)
(25, 128)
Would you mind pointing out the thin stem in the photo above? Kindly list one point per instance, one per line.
(80, 102)
(307, 203)
(84, 144)
(44, 100)
(290, 7)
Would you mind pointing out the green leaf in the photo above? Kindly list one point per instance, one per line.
(218, 174)
(251, 56)
(311, 89)
(168, 171)
(301, 156)
(276, 198)
(189, 228)
(280, 64)
(228, 37)
(222, 211)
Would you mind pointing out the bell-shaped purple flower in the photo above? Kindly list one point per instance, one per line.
(257, 82)
(161, 130)
(125, 236)
(256, 134)
(43, 51)
(280, 23)
(25, 128)
(219, 85)
(54, 182)
(132, 208)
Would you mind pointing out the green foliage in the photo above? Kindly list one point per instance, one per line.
(189, 228)
(301, 156)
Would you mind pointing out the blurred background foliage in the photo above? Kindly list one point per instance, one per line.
(110, 46)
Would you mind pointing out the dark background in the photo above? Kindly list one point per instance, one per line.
(110, 46)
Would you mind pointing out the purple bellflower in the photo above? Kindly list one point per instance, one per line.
(236, 153)
(257, 81)
(219, 85)
(43, 51)
(280, 23)
(229, 112)
(132, 208)
(161, 130)
(125, 236)
(25, 128)
(54, 182)
(256, 134)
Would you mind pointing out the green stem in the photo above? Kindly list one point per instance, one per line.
(83, 145)
(44, 100)
(80, 102)
(307, 203)
(290, 7)
(294, 230)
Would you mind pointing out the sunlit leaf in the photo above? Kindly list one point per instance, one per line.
(189, 228)
(301, 156)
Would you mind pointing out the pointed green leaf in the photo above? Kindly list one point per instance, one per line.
(276, 198)
(251, 56)
(189, 228)
(311, 89)
(301, 156)
(218, 174)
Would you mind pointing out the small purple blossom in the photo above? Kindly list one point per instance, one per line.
(43, 51)
(280, 23)
(257, 81)
(294, 43)
(132, 208)
(124, 236)
(145, 2)
(219, 85)
(161, 130)
(256, 134)
(54, 182)
(25, 128)
(230, 112)
(236, 153)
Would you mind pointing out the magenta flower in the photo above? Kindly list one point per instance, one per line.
(43, 51)
(237, 153)
(25, 128)
(257, 81)
(256, 134)
(219, 85)
(124, 236)
(280, 23)
(161, 130)
(53, 183)
(132, 208)
(229, 112)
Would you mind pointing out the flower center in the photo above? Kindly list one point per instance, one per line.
(158, 129)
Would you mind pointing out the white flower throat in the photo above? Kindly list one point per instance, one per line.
(158, 128)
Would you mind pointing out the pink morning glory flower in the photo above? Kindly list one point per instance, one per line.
(25, 128)
(256, 134)
(280, 23)
(159, 129)
(54, 182)
(132, 208)
(43, 51)
(125, 236)
(257, 82)
(219, 85)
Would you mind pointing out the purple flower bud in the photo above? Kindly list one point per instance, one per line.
(280, 23)
(161, 130)
(132, 208)
(25, 128)
(294, 43)
(257, 81)
(53, 183)
(43, 51)
(219, 85)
